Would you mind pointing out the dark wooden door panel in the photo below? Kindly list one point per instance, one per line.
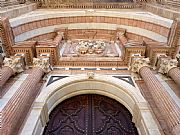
(90, 115)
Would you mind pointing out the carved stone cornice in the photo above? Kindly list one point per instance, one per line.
(154, 49)
(138, 63)
(167, 64)
(42, 63)
(15, 63)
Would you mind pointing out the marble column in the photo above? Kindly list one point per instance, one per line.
(11, 65)
(174, 73)
(169, 67)
(6, 73)
(15, 111)
(170, 111)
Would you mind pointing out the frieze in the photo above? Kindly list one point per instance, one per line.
(90, 4)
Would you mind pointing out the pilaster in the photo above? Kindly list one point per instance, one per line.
(6, 35)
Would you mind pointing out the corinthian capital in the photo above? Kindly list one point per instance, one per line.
(15, 63)
(138, 63)
(42, 63)
(167, 64)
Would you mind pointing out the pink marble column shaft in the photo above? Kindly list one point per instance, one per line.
(164, 102)
(174, 73)
(6, 72)
(17, 107)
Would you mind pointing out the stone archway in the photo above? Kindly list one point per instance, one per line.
(90, 115)
(111, 87)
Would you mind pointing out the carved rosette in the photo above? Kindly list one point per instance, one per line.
(166, 65)
(15, 63)
(138, 63)
(42, 63)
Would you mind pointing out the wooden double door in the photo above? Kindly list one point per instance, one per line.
(90, 115)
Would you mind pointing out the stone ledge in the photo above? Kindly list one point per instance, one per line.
(17, 10)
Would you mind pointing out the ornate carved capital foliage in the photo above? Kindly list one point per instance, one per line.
(42, 63)
(15, 63)
(167, 64)
(138, 63)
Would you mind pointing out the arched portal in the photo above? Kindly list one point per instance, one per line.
(90, 115)
(57, 92)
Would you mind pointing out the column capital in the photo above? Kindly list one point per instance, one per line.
(167, 64)
(15, 63)
(42, 63)
(138, 63)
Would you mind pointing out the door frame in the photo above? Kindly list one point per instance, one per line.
(106, 85)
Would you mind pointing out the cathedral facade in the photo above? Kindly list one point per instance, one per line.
(90, 67)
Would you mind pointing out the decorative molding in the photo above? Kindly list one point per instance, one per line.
(15, 63)
(89, 4)
(90, 75)
(174, 38)
(167, 64)
(138, 63)
(42, 63)
(27, 48)
(6, 35)
(156, 48)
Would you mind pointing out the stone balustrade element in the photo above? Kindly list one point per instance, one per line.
(170, 111)
(42, 63)
(167, 64)
(16, 109)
